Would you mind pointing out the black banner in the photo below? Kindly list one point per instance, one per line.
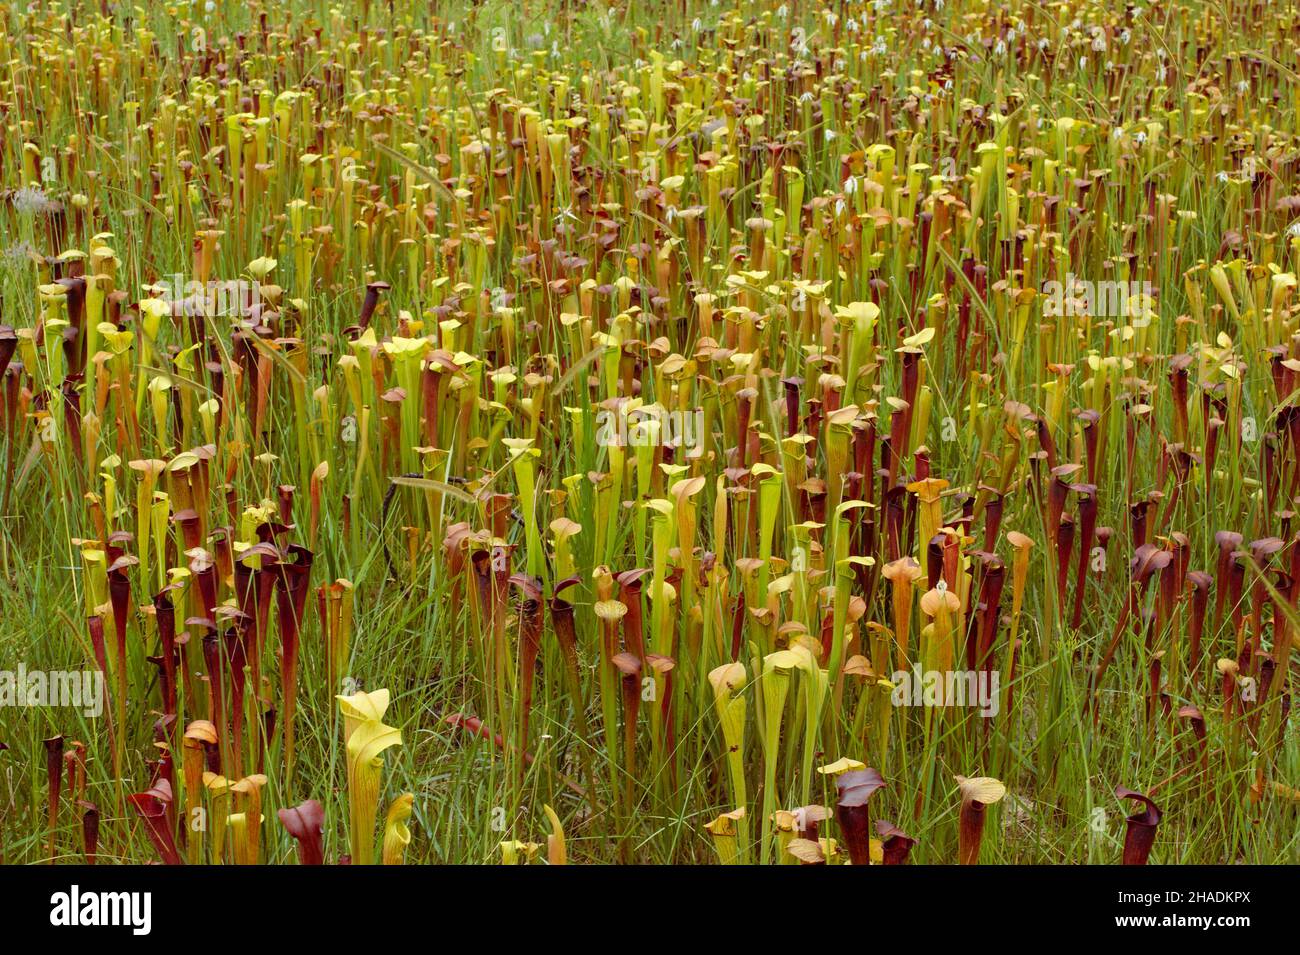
(303, 903)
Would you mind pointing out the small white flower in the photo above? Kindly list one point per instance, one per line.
(851, 185)
(1083, 62)
(1222, 176)
(1293, 230)
(1125, 35)
(1140, 137)
(17, 254)
(1000, 48)
(30, 200)
(783, 11)
(828, 134)
(697, 24)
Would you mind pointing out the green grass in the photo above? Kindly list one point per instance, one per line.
(415, 631)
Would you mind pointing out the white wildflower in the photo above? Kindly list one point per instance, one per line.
(30, 200)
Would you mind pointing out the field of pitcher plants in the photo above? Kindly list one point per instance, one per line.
(677, 431)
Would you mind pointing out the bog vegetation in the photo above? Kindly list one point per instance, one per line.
(659, 432)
